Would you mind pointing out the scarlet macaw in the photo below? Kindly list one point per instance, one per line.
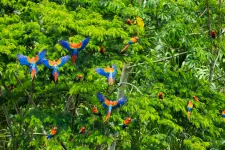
(110, 104)
(132, 41)
(126, 122)
(55, 65)
(74, 48)
(109, 73)
(32, 62)
(189, 108)
(52, 133)
(160, 95)
(82, 130)
(95, 111)
(195, 98)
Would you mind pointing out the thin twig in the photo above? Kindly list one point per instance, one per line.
(30, 96)
(203, 12)
(132, 86)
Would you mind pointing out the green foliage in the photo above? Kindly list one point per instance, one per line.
(172, 30)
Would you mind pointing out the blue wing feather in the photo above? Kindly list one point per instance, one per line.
(23, 60)
(66, 45)
(101, 98)
(64, 60)
(121, 102)
(46, 63)
(41, 56)
(115, 71)
(102, 72)
(84, 43)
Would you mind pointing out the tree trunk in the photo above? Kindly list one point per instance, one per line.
(121, 91)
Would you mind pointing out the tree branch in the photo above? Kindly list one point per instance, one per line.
(132, 86)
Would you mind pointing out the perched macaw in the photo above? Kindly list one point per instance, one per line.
(74, 48)
(52, 133)
(82, 130)
(109, 73)
(195, 98)
(132, 41)
(55, 65)
(223, 114)
(160, 95)
(189, 108)
(32, 62)
(110, 104)
(126, 122)
(95, 111)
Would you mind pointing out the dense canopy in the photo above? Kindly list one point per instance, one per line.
(169, 80)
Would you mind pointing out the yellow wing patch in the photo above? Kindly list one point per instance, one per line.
(108, 69)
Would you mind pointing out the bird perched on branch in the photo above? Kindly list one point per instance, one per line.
(82, 130)
(195, 98)
(109, 73)
(160, 95)
(110, 104)
(52, 133)
(32, 62)
(74, 48)
(126, 123)
(189, 108)
(95, 111)
(132, 41)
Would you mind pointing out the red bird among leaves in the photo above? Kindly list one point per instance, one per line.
(160, 95)
(52, 133)
(195, 98)
(126, 123)
(82, 130)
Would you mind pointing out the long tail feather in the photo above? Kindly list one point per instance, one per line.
(124, 48)
(189, 114)
(74, 59)
(33, 74)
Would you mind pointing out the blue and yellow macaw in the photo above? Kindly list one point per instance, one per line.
(52, 133)
(110, 104)
(32, 62)
(109, 73)
(74, 48)
(132, 41)
(55, 65)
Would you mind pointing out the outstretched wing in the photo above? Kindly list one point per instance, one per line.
(47, 63)
(104, 101)
(83, 43)
(119, 102)
(102, 72)
(114, 71)
(23, 60)
(63, 60)
(41, 56)
(66, 45)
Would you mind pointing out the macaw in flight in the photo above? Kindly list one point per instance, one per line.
(55, 65)
(189, 108)
(82, 130)
(110, 104)
(126, 123)
(109, 73)
(52, 133)
(32, 62)
(74, 48)
(95, 111)
(132, 41)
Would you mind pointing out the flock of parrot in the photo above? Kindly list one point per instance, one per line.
(109, 73)
(74, 49)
